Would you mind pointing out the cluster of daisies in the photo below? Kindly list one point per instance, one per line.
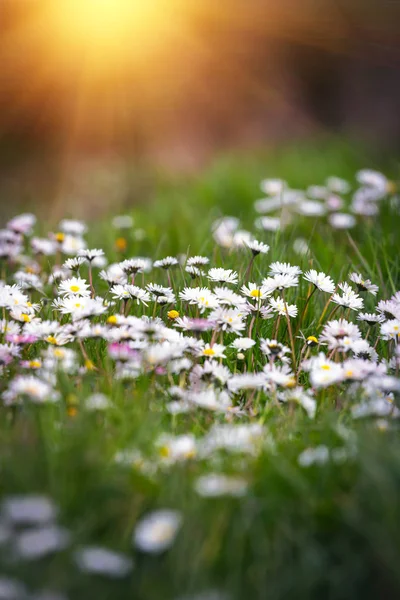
(336, 202)
(232, 344)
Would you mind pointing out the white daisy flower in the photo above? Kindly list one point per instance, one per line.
(363, 285)
(226, 297)
(220, 275)
(349, 298)
(255, 291)
(91, 255)
(157, 531)
(320, 280)
(279, 282)
(280, 268)
(279, 306)
(342, 220)
(197, 261)
(166, 263)
(230, 320)
(131, 266)
(194, 271)
(243, 343)
(214, 485)
(257, 247)
(73, 264)
(390, 330)
(370, 318)
(72, 227)
(74, 287)
(101, 561)
(214, 351)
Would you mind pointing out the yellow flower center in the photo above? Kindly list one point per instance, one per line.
(291, 382)
(60, 237)
(121, 244)
(59, 353)
(165, 452)
(326, 367)
(51, 339)
(349, 373)
(255, 293)
(173, 314)
(112, 320)
(312, 339)
(35, 364)
(74, 288)
(89, 365)
(26, 318)
(209, 352)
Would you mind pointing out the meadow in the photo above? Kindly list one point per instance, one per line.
(200, 392)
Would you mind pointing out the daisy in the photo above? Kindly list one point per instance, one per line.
(257, 247)
(22, 223)
(226, 297)
(157, 531)
(120, 292)
(255, 292)
(349, 298)
(390, 309)
(203, 297)
(342, 220)
(320, 280)
(370, 318)
(340, 329)
(197, 261)
(174, 449)
(391, 330)
(113, 275)
(71, 244)
(209, 371)
(323, 372)
(138, 294)
(74, 287)
(279, 306)
(198, 325)
(30, 386)
(91, 255)
(72, 227)
(214, 351)
(101, 561)
(363, 285)
(243, 343)
(131, 266)
(194, 272)
(43, 246)
(73, 264)
(166, 263)
(230, 320)
(214, 485)
(220, 275)
(273, 187)
(280, 282)
(279, 268)
(274, 349)
(159, 290)
(338, 185)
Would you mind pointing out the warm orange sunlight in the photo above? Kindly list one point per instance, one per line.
(108, 32)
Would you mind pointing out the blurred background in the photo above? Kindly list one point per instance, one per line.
(91, 90)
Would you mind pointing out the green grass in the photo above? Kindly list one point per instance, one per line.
(327, 531)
